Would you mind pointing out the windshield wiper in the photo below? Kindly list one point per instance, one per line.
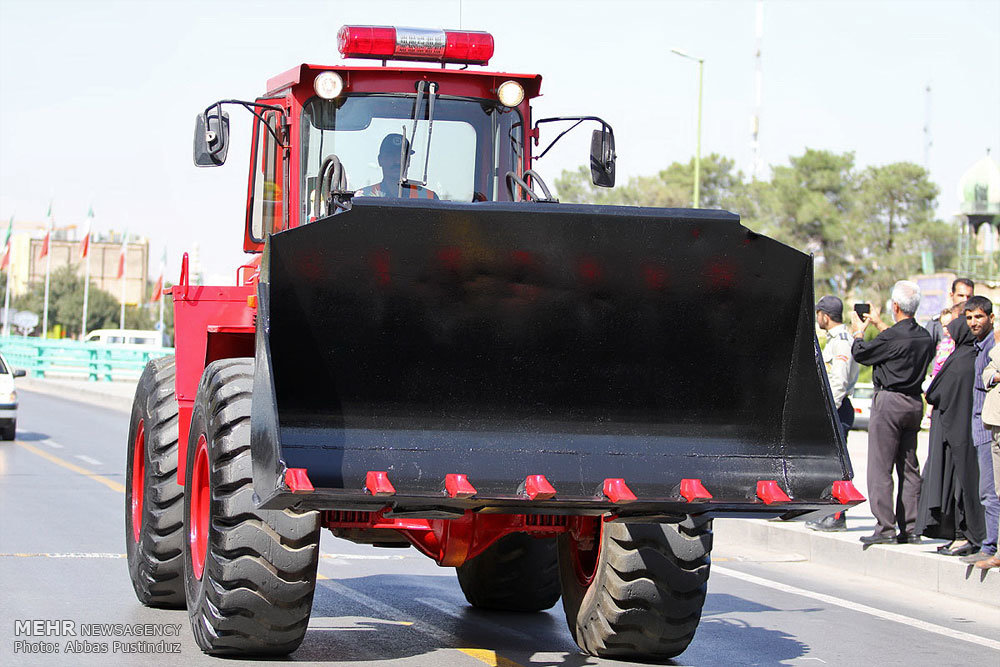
(405, 158)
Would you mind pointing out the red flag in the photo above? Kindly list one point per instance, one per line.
(157, 289)
(85, 242)
(45, 245)
(6, 245)
(121, 256)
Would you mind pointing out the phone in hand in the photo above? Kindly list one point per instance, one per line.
(862, 309)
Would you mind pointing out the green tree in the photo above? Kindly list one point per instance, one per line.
(673, 187)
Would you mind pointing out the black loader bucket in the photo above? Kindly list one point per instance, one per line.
(501, 341)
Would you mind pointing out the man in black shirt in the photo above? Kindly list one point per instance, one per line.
(900, 355)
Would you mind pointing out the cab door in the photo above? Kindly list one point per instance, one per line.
(267, 192)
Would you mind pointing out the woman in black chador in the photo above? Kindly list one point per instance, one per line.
(949, 495)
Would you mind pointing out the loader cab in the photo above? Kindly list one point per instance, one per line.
(318, 131)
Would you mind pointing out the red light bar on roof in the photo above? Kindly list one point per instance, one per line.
(442, 46)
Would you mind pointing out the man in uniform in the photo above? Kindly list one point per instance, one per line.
(842, 371)
(390, 155)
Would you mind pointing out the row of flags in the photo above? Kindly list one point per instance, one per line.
(84, 250)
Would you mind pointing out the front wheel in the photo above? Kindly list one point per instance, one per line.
(516, 573)
(249, 574)
(635, 591)
(153, 499)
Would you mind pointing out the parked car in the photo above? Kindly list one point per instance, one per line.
(8, 400)
(130, 337)
(861, 399)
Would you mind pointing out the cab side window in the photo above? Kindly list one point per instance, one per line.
(269, 180)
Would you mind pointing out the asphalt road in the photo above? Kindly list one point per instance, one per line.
(62, 559)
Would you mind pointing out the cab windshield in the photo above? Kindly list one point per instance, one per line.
(473, 144)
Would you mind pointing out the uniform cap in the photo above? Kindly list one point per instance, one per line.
(830, 305)
(392, 143)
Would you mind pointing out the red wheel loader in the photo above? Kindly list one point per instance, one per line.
(427, 349)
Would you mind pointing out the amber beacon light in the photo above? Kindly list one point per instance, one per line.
(390, 43)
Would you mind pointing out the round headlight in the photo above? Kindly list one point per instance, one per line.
(328, 85)
(510, 93)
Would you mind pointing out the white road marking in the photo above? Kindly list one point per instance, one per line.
(61, 555)
(363, 557)
(453, 610)
(864, 609)
(53, 444)
(87, 459)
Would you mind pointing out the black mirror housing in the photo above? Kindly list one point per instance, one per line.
(602, 157)
(211, 138)
(20, 372)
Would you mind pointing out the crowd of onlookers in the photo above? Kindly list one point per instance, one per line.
(953, 364)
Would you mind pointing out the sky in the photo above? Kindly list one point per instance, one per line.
(99, 97)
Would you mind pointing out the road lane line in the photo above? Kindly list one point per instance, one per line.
(364, 557)
(446, 639)
(61, 555)
(864, 609)
(110, 483)
(87, 459)
(53, 444)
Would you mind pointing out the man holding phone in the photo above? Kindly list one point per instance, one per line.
(842, 371)
(899, 356)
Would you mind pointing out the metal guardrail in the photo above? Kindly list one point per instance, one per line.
(74, 359)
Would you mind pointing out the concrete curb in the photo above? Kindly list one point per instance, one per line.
(113, 395)
(915, 565)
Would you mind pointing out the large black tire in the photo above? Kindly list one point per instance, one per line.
(10, 430)
(154, 532)
(254, 591)
(645, 599)
(516, 573)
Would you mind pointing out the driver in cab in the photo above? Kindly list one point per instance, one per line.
(389, 154)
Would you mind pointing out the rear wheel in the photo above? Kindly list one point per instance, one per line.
(250, 574)
(516, 573)
(636, 591)
(153, 500)
(10, 430)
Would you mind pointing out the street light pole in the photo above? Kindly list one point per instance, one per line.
(697, 154)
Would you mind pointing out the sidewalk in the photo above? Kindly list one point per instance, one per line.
(916, 565)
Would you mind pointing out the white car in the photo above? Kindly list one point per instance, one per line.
(861, 399)
(8, 400)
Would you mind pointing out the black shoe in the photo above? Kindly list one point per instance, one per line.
(878, 538)
(829, 524)
(908, 538)
(945, 547)
(964, 550)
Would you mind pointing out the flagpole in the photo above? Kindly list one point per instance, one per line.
(6, 291)
(163, 271)
(48, 268)
(86, 291)
(121, 324)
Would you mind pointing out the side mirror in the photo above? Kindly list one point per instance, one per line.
(211, 138)
(20, 372)
(602, 157)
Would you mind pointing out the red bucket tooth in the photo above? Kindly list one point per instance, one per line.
(297, 480)
(458, 486)
(693, 489)
(769, 491)
(845, 492)
(617, 491)
(536, 487)
(377, 483)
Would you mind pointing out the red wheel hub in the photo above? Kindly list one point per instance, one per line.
(585, 548)
(138, 479)
(199, 515)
